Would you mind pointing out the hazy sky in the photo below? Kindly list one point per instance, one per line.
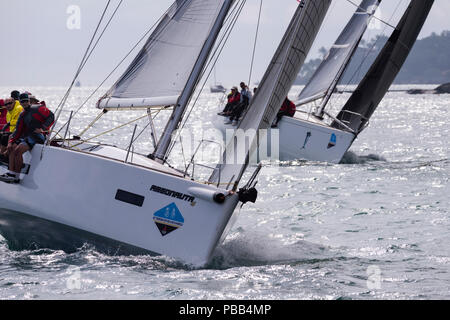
(43, 41)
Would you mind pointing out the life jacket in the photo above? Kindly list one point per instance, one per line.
(32, 118)
(234, 98)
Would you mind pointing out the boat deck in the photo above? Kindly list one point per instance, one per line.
(306, 116)
(115, 153)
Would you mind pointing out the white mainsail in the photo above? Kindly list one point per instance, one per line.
(274, 87)
(159, 73)
(334, 64)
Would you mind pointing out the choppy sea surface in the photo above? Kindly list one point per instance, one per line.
(374, 227)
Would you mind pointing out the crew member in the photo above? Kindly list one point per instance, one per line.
(237, 111)
(288, 109)
(14, 109)
(233, 100)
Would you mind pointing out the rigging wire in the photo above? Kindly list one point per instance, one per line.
(118, 127)
(148, 124)
(369, 51)
(376, 18)
(86, 57)
(82, 64)
(143, 37)
(90, 50)
(111, 130)
(104, 30)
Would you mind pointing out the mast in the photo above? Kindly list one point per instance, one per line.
(363, 102)
(160, 152)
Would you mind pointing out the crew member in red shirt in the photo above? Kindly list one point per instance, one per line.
(288, 109)
(233, 100)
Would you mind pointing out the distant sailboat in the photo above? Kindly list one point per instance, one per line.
(329, 137)
(217, 87)
(96, 191)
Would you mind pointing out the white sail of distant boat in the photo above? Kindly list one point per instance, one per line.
(321, 136)
(74, 189)
(327, 76)
(100, 191)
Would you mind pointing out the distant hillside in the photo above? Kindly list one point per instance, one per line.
(428, 62)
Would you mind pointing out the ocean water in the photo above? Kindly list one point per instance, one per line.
(374, 227)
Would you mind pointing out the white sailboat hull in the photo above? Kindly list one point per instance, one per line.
(303, 138)
(160, 212)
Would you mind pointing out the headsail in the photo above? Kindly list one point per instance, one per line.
(330, 71)
(363, 102)
(274, 87)
(159, 73)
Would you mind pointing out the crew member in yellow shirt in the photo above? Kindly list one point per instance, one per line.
(14, 110)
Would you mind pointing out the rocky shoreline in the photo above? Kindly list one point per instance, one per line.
(442, 89)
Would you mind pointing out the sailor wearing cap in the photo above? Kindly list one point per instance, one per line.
(33, 124)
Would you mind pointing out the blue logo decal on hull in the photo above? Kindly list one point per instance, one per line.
(168, 219)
